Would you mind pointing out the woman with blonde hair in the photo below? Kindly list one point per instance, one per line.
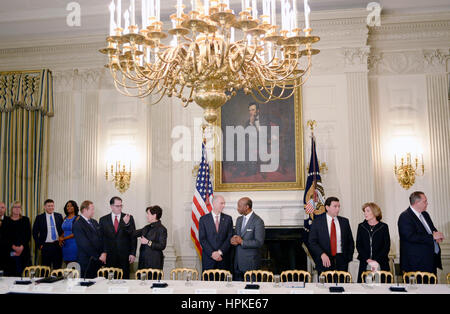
(18, 237)
(372, 240)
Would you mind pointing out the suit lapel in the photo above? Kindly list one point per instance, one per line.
(239, 226)
(325, 231)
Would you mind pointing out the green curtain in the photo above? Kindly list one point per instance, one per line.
(26, 103)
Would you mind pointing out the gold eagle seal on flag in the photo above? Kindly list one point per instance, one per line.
(314, 200)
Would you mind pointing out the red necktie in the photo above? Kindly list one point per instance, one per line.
(217, 223)
(333, 241)
(116, 224)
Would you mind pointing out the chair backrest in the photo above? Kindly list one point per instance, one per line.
(60, 272)
(448, 278)
(336, 276)
(152, 273)
(179, 273)
(103, 272)
(385, 276)
(258, 276)
(295, 275)
(215, 275)
(39, 271)
(422, 277)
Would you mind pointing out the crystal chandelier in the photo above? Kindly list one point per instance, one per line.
(205, 62)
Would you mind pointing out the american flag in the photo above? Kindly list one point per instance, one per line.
(201, 203)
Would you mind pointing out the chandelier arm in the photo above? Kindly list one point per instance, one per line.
(169, 51)
(116, 79)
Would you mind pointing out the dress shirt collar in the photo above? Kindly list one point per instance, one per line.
(415, 212)
(329, 218)
(247, 217)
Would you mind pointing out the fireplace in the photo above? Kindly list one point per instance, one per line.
(282, 249)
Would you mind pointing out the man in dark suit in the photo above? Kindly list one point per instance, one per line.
(215, 230)
(118, 240)
(89, 241)
(330, 239)
(248, 239)
(419, 239)
(46, 231)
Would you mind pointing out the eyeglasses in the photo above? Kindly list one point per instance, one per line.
(118, 205)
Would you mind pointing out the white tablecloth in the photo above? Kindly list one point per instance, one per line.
(102, 286)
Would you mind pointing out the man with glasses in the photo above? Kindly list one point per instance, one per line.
(118, 240)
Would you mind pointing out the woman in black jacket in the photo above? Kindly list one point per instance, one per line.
(372, 240)
(153, 240)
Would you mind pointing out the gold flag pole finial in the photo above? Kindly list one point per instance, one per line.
(312, 124)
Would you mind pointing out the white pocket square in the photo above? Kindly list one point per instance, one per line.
(249, 229)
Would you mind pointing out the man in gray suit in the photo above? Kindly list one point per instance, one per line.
(248, 239)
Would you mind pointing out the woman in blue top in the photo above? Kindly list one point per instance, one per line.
(67, 239)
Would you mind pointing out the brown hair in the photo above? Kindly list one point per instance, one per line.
(376, 211)
(85, 205)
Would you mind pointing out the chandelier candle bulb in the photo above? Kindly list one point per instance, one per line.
(273, 12)
(307, 12)
(158, 10)
(132, 12)
(151, 9)
(254, 9)
(126, 17)
(206, 7)
(179, 8)
(144, 13)
(112, 25)
(294, 9)
(119, 14)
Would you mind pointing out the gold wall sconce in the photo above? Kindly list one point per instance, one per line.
(408, 169)
(120, 175)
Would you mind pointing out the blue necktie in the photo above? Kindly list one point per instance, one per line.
(52, 227)
(425, 224)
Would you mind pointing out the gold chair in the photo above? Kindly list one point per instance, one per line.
(385, 276)
(448, 278)
(258, 276)
(420, 277)
(178, 273)
(39, 271)
(152, 273)
(60, 272)
(103, 272)
(295, 275)
(341, 276)
(216, 274)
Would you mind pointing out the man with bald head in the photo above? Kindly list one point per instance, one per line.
(4, 251)
(248, 239)
(215, 230)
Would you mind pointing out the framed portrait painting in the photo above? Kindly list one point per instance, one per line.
(261, 146)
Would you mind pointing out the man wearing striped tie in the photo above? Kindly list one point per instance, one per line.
(46, 231)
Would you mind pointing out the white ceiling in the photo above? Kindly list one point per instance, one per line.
(32, 20)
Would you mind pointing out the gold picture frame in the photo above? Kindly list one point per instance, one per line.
(223, 178)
